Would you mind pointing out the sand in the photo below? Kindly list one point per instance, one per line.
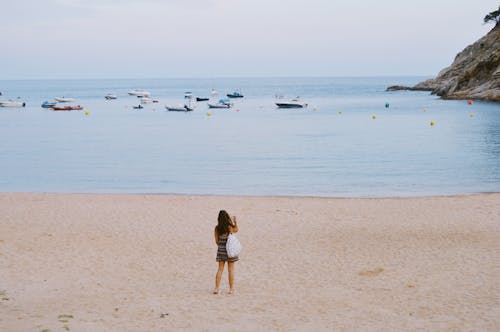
(147, 263)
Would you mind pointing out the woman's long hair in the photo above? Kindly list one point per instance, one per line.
(224, 221)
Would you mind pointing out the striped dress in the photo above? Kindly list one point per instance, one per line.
(221, 250)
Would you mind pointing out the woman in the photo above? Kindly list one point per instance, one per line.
(225, 226)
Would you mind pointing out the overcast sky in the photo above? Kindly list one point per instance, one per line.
(224, 38)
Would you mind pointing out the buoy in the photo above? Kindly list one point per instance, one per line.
(209, 113)
(86, 112)
(340, 112)
(374, 116)
(471, 115)
(469, 101)
(432, 123)
(386, 105)
(425, 109)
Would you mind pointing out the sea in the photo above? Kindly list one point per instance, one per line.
(353, 140)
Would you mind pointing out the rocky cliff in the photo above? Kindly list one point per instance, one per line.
(474, 74)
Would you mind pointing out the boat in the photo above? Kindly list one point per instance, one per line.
(67, 108)
(64, 99)
(109, 96)
(188, 95)
(294, 103)
(11, 103)
(145, 100)
(235, 95)
(47, 104)
(138, 107)
(180, 108)
(139, 93)
(202, 99)
(222, 103)
(214, 92)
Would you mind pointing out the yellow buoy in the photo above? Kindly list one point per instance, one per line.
(209, 113)
(340, 112)
(471, 115)
(374, 116)
(425, 109)
(87, 112)
(432, 123)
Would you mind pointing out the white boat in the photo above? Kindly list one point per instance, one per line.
(179, 108)
(218, 105)
(139, 93)
(11, 103)
(145, 100)
(109, 96)
(64, 99)
(294, 103)
(188, 95)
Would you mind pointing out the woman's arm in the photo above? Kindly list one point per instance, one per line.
(216, 236)
(234, 227)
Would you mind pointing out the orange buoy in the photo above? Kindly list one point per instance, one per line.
(469, 101)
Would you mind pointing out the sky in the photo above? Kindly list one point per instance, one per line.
(72, 39)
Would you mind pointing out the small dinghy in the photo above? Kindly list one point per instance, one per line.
(67, 108)
(202, 99)
(145, 100)
(64, 99)
(139, 93)
(11, 103)
(109, 96)
(138, 107)
(180, 108)
(47, 104)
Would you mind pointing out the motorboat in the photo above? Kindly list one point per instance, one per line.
(138, 107)
(64, 99)
(235, 95)
(294, 103)
(202, 99)
(222, 103)
(139, 93)
(11, 103)
(48, 104)
(218, 105)
(110, 96)
(67, 108)
(179, 108)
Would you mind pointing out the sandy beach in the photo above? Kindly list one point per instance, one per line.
(74, 262)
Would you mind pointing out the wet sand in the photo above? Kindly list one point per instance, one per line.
(147, 263)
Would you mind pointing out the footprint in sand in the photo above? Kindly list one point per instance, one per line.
(65, 319)
(3, 296)
(371, 273)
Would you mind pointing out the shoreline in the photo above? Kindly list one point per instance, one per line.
(100, 262)
(249, 196)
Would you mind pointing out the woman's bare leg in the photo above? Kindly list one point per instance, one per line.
(230, 272)
(218, 276)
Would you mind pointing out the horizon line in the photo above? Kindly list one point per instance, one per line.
(208, 78)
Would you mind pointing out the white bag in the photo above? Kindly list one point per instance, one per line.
(233, 246)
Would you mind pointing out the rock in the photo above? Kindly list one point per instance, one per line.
(402, 87)
(474, 74)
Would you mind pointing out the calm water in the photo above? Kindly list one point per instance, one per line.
(254, 148)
